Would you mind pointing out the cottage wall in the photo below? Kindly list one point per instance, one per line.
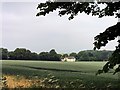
(69, 59)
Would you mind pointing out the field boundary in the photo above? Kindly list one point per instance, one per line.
(51, 69)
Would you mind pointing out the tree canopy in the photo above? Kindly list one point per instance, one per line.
(74, 7)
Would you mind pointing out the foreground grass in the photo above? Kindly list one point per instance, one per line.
(61, 74)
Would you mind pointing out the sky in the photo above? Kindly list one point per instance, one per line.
(22, 29)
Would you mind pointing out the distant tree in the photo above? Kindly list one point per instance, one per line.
(103, 55)
(91, 55)
(74, 7)
(83, 56)
(44, 56)
(49, 56)
(20, 54)
(59, 55)
(4, 53)
(74, 55)
(11, 55)
(54, 56)
(0, 53)
(34, 56)
(65, 55)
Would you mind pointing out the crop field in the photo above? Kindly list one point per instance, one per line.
(52, 74)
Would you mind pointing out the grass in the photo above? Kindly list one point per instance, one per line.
(69, 74)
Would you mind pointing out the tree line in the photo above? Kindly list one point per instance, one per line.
(24, 54)
(52, 55)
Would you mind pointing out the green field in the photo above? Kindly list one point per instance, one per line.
(63, 71)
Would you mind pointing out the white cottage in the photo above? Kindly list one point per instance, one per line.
(69, 59)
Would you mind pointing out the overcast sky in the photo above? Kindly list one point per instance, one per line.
(22, 29)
